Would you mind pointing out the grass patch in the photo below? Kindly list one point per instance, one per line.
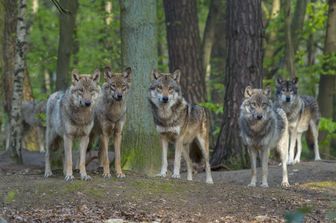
(321, 185)
(9, 198)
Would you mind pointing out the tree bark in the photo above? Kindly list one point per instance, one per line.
(15, 142)
(66, 41)
(297, 22)
(140, 145)
(9, 51)
(327, 87)
(244, 67)
(184, 47)
(290, 60)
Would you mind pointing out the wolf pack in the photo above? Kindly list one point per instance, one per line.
(90, 113)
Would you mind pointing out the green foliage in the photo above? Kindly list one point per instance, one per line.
(213, 107)
(9, 198)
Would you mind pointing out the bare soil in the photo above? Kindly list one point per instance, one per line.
(25, 196)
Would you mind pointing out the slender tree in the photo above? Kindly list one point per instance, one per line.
(290, 61)
(243, 68)
(18, 80)
(66, 41)
(140, 145)
(184, 47)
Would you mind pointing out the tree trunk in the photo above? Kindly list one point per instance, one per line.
(184, 47)
(9, 51)
(327, 87)
(209, 33)
(244, 67)
(298, 22)
(66, 40)
(288, 39)
(16, 127)
(140, 145)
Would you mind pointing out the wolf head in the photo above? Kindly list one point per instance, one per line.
(257, 105)
(286, 90)
(84, 89)
(116, 85)
(165, 88)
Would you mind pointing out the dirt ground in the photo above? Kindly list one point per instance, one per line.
(25, 196)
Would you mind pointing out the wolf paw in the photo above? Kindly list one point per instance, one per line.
(69, 178)
(106, 175)
(161, 175)
(290, 162)
(251, 185)
(176, 176)
(209, 181)
(317, 158)
(48, 174)
(296, 161)
(86, 177)
(285, 184)
(264, 185)
(121, 175)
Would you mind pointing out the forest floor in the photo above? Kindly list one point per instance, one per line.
(25, 196)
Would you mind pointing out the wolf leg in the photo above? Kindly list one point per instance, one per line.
(117, 156)
(50, 140)
(204, 146)
(314, 130)
(299, 148)
(164, 166)
(253, 157)
(282, 148)
(185, 153)
(68, 157)
(264, 163)
(82, 157)
(293, 139)
(177, 162)
(103, 155)
(40, 135)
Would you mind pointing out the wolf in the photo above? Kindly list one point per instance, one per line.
(31, 118)
(110, 117)
(178, 122)
(303, 116)
(262, 128)
(70, 114)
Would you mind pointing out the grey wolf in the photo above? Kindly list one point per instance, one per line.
(178, 122)
(70, 114)
(262, 128)
(303, 116)
(32, 112)
(110, 117)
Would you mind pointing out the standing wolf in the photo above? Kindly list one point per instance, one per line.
(110, 116)
(178, 122)
(70, 114)
(262, 127)
(302, 114)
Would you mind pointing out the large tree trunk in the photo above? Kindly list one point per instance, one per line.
(244, 67)
(184, 46)
(16, 127)
(141, 147)
(327, 87)
(290, 60)
(66, 41)
(297, 22)
(9, 51)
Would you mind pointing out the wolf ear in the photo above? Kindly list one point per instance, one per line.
(279, 81)
(295, 80)
(248, 92)
(155, 74)
(176, 75)
(107, 73)
(75, 76)
(95, 76)
(267, 91)
(127, 74)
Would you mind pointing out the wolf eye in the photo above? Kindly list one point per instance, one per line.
(253, 104)
(159, 87)
(264, 105)
(171, 89)
(81, 90)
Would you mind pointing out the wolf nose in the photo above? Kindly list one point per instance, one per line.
(87, 103)
(287, 99)
(165, 99)
(259, 117)
(119, 96)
